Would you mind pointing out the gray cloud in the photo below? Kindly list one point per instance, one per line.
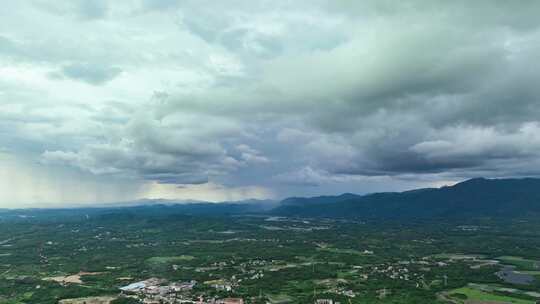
(81, 9)
(93, 9)
(301, 98)
(90, 73)
(160, 4)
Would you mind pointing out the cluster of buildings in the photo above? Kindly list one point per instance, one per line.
(325, 301)
(221, 285)
(394, 272)
(155, 290)
(160, 291)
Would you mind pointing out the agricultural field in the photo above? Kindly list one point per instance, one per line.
(521, 263)
(471, 295)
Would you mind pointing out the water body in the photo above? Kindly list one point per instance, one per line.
(509, 275)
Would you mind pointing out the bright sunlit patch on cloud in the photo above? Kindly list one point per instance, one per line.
(210, 192)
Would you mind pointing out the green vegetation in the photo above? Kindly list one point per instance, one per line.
(521, 263)
(168, 260)
(279, 299)
(348, 261)
(342, 251)
(464, 294)
(125, 301)
(530, 272)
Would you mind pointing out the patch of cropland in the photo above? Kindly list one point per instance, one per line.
(524, 264)
(479, 295)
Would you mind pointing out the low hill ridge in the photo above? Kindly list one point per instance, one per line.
(471, 198)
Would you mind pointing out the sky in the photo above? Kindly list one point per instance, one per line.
(115, 101)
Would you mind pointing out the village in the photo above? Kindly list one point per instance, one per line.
(158, 291)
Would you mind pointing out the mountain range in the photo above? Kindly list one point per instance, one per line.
(471, 198)
(479, 197)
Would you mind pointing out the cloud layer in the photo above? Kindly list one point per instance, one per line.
(264, 99)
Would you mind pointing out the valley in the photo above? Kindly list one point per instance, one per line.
(121, 256)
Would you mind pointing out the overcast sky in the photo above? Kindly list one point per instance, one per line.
(108, 101)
